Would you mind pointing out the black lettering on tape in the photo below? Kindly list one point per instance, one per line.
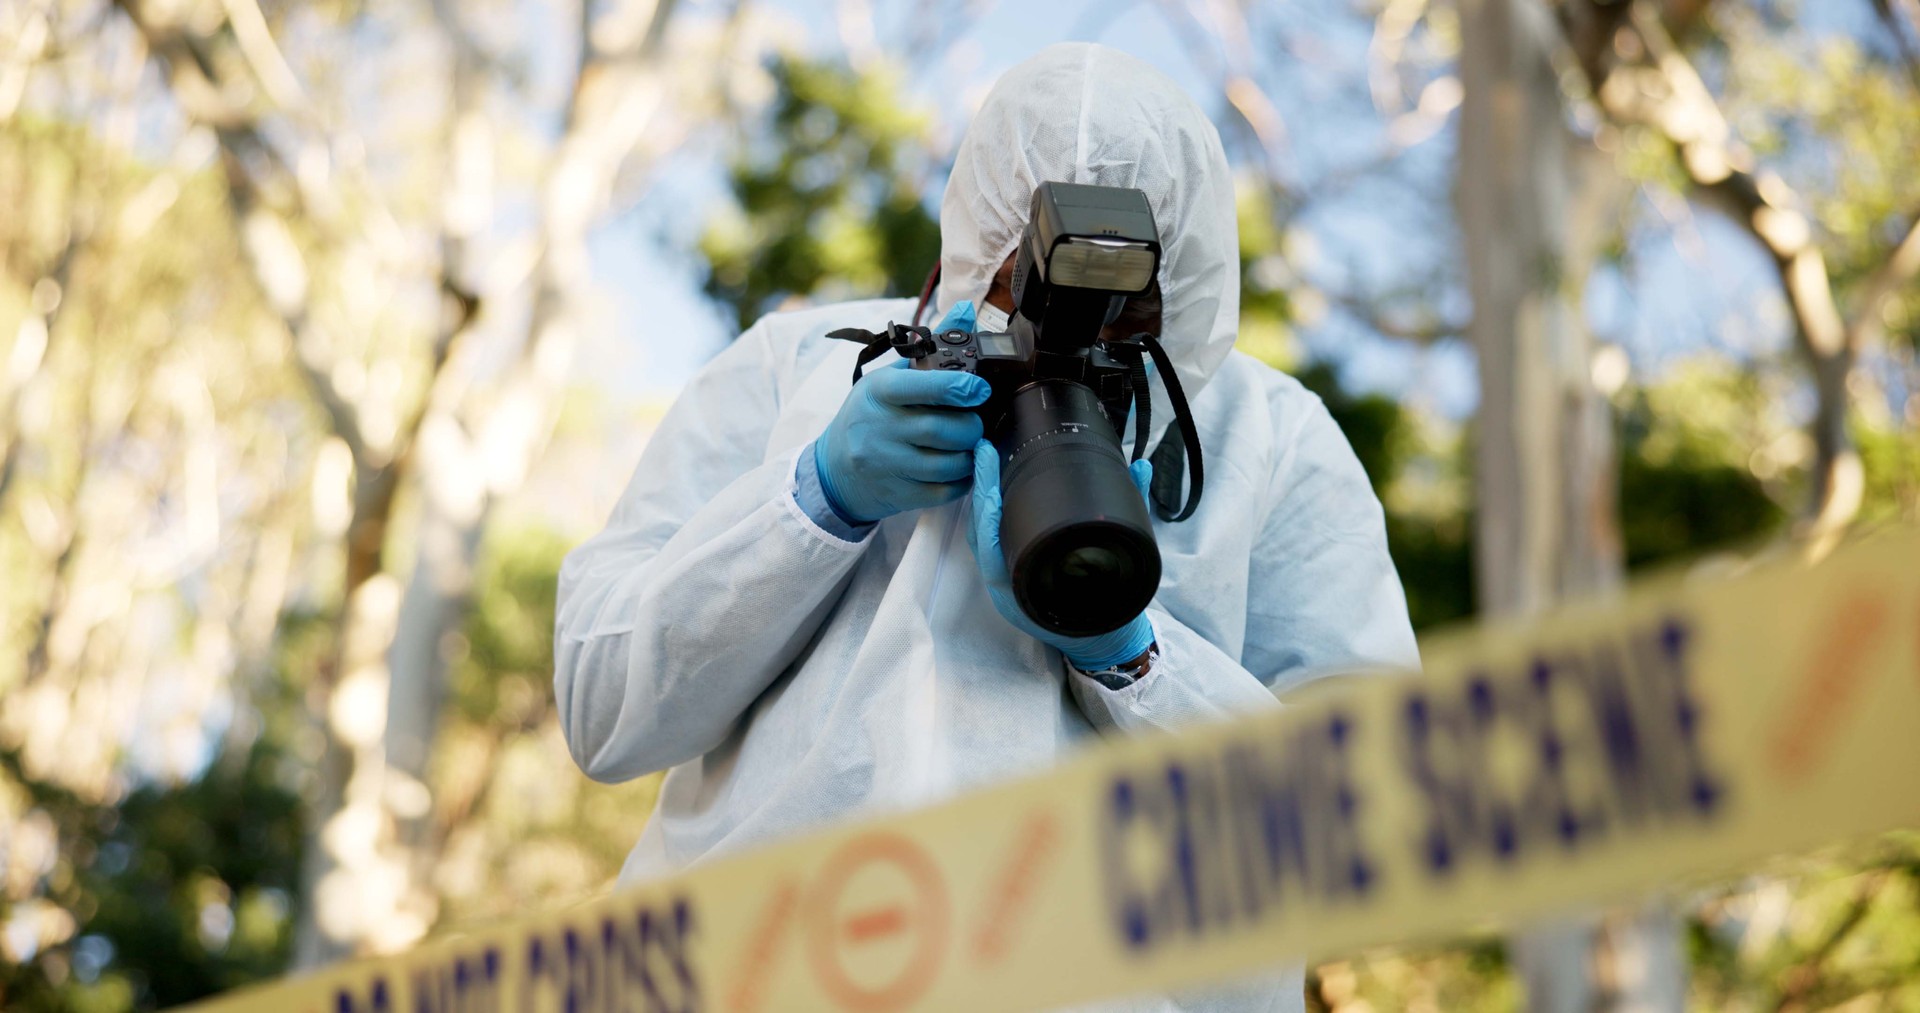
(1243, 833)
(461, 983)
(1545, 803)
(378, 998)
(1444, 754)
(1611, 741)
(641, 962)
(1705, 790)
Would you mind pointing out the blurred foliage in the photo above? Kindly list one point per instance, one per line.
(1838, 928)
(183, 890)
(1267, 285)
(1834, 116)
(523, 829)
(1428, 535)
(1891, 456)
(196, 883)
(179, 889)
(828, 194)
(1691, 447)
(132, 882)
(152, 863)
(1467, 977)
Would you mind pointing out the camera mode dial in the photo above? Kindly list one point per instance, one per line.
(954, 349)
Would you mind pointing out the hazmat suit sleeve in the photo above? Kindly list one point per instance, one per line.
(1322, 598)
(706, 584)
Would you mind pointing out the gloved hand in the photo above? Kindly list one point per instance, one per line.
(1087, 653)
(901, 439)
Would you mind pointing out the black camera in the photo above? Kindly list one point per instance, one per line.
(1077, 536)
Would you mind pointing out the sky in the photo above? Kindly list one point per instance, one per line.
(641, 257)
(1696, 285)
(1699, 285)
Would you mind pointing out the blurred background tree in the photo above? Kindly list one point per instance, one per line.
(284, 359)
(830, 190)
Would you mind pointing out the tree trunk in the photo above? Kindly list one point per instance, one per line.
(349, 902)
(431, 614)
(375, 892)
(366, 880)
(1515, 186)
(472, 452)
(1546, 490)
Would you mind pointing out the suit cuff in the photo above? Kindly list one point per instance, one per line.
(812, 500)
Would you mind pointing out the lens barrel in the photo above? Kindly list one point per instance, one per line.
(1075, 531)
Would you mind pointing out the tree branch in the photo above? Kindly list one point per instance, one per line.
(257, 45)
(1237, 86)
(1667, 94)
(1893, 22)
(60, 276)
(1801, 979)
(1659, 89)
(1869, 322)
(190, 75)
(264, 192)
(276, 265)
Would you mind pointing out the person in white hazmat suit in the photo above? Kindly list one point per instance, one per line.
(794, 663)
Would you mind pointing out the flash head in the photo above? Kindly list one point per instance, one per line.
(1110, 265)
(1100, 238)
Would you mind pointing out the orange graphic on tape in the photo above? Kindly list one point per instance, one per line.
(877, 923)
(1834, 678)
(750, 988)
(1013, 887)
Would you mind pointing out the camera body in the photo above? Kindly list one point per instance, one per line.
(1076, 533)
(1000, 358)
(1008, 360)
(1085, 250)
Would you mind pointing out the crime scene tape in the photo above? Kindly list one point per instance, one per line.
(1597, 754)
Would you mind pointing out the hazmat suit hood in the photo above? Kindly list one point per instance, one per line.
(1083, 113)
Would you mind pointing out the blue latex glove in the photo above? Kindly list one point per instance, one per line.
(901, 440)
(1087, 653)
(960, 317)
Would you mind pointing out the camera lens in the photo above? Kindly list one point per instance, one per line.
(1075, 532)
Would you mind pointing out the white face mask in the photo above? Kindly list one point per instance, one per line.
(990, 318)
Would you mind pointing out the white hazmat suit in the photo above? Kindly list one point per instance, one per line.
(791, 678)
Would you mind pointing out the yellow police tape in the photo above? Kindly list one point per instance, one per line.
(1696, 728)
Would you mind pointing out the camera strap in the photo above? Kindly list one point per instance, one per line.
(1142, 398)
(877, 345)
(1173, 451)
(926, 292)
(1166, 498)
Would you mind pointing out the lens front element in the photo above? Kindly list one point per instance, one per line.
(1093, 562)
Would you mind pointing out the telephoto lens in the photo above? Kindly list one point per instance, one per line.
(1076, 534)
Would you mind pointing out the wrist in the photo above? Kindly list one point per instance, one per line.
(1124, 675)
(836, 500)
